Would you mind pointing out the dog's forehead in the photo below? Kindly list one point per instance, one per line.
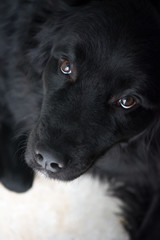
(93, 41)
(100, 56)
(97, 49)
(110, 40)
(101, 29)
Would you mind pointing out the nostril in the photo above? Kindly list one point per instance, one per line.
(56, 165)
(53, 167)
(39, 157)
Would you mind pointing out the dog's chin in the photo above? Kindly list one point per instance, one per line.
(65, 175)
(60, 176)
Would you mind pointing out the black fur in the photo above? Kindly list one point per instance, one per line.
(114, 47)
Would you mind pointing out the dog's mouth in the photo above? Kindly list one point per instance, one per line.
(67, 174)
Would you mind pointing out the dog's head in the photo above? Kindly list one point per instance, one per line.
(101, 84)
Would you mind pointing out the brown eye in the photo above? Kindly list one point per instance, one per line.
(65, 67)
(127, 102)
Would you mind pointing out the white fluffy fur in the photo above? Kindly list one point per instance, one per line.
(51, 210)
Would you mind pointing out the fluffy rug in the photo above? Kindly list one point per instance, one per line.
(51, 210)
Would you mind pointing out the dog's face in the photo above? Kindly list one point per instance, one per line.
(100, 87)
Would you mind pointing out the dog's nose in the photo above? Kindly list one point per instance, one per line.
(49, 160)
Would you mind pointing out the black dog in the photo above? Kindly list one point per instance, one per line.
(80, 89)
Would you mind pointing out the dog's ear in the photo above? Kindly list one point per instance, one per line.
(14, 172)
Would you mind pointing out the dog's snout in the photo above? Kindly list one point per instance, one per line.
(49, 160)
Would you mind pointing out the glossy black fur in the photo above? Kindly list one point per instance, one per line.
(115, 49)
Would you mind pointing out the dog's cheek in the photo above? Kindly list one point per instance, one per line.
(137, 121)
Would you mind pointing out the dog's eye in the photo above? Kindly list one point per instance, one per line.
(127, 102)
(65, 67)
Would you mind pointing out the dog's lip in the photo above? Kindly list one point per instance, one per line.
(52, 175)
(77, 173)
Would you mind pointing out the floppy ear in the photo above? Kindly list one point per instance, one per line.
(14, 172)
